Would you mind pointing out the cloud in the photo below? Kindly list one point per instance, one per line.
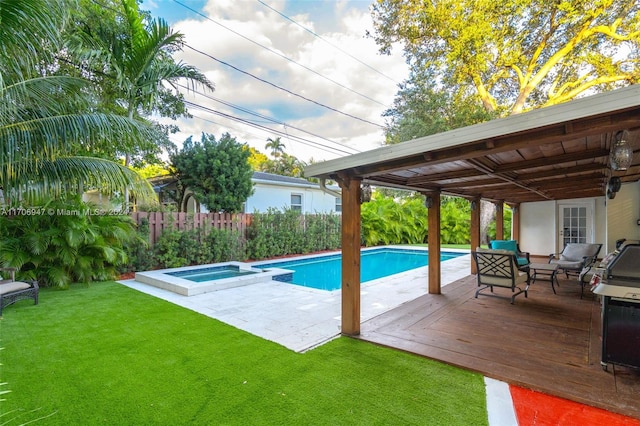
(251, 37)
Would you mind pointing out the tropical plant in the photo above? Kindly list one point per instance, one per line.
(64, 241)
(217, 171)
(387, 221)
(45, 119)
(133, 60)
(276, 146)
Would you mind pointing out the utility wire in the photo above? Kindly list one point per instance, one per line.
(282, 88)
(280, 54)
(270, 119)
(265, 128)
(328, 42)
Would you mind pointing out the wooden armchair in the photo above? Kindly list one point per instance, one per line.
(499, 268)
(11, 290)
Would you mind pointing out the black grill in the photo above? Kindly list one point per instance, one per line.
(620, 291)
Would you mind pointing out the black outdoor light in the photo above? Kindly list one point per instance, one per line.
(613, 186)
(365, 193)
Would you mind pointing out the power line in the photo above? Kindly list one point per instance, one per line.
(282, 88)
(280, 54)
(328, 42)
(272, 120)
(258, 126)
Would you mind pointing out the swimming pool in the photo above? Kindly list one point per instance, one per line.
(322, 272)
(325, 272)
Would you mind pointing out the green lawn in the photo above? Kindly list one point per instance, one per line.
(107, 354)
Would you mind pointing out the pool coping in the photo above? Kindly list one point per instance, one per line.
(161, 278)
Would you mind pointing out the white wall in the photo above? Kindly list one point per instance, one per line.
(613, 219)
(623, 213)
(277, 196)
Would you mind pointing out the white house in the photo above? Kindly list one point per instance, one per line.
(284, 192)
(269, 191)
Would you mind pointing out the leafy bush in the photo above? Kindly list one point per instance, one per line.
(140, 256)
(386, 221)
(65, 241)
(277, 233)
(167, 251)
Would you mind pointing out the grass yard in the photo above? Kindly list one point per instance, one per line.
(106, 354)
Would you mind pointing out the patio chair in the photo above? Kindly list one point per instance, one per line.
(575, 257)
(11, 290)
(511, 245)
(499, 268)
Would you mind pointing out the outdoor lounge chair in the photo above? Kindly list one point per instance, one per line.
(575, 257)
(499, 268)
(11, 290)
(511, 245)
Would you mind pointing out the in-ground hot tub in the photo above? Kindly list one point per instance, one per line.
(192, 280)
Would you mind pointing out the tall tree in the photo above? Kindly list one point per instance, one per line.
(421, 110)
(45, 118)
(276, 146)
(516, 55)
(217, 171)
(134, 58)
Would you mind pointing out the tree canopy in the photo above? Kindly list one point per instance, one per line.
(129, 54)
(217, 171)
(515, 55)
(45, 119)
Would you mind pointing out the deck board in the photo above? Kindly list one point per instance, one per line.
(546, 342)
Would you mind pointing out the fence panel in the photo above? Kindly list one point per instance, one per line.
(160, 221)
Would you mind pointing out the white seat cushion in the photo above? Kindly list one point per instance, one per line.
(13, 286)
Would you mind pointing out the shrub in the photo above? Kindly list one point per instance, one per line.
(385, 221)
(64, 241)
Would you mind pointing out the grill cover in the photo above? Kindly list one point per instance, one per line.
(622, 276)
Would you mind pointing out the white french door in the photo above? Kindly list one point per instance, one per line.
(575, 224)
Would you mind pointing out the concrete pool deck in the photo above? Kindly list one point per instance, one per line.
(301, 318)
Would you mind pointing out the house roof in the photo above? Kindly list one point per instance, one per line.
(270, 177)
(558, 152)
(160, 182)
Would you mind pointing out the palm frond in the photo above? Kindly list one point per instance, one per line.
(72, 174)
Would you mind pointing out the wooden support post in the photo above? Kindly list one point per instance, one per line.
(515, 222)
(433, 239)
(350, 255)
(475, 229)
(499, 220)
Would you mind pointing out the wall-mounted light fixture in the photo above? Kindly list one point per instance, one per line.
(428, 201)
(613, 186)
(365, 193)
(621, 154)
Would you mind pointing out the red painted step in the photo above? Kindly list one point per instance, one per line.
(535, 408)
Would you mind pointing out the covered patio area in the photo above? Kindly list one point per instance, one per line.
(532, 162)
(547, 342)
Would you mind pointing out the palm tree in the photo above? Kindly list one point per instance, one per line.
(45, 118)
(276, 146)
(138, 64)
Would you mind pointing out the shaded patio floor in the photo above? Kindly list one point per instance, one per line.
(547, 342)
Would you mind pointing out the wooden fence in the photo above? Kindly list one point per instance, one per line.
(159, 221)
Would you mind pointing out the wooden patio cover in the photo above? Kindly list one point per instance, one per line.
(554, 153)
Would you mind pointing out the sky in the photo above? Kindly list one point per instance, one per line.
(301, 70)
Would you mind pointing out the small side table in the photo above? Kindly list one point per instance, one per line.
(547, 270)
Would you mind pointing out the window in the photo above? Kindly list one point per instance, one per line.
(296, 202)
(338, 204)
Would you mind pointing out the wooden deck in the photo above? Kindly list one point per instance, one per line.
(546, 342)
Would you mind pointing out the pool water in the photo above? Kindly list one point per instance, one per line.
(325, 272)
(213, 273)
